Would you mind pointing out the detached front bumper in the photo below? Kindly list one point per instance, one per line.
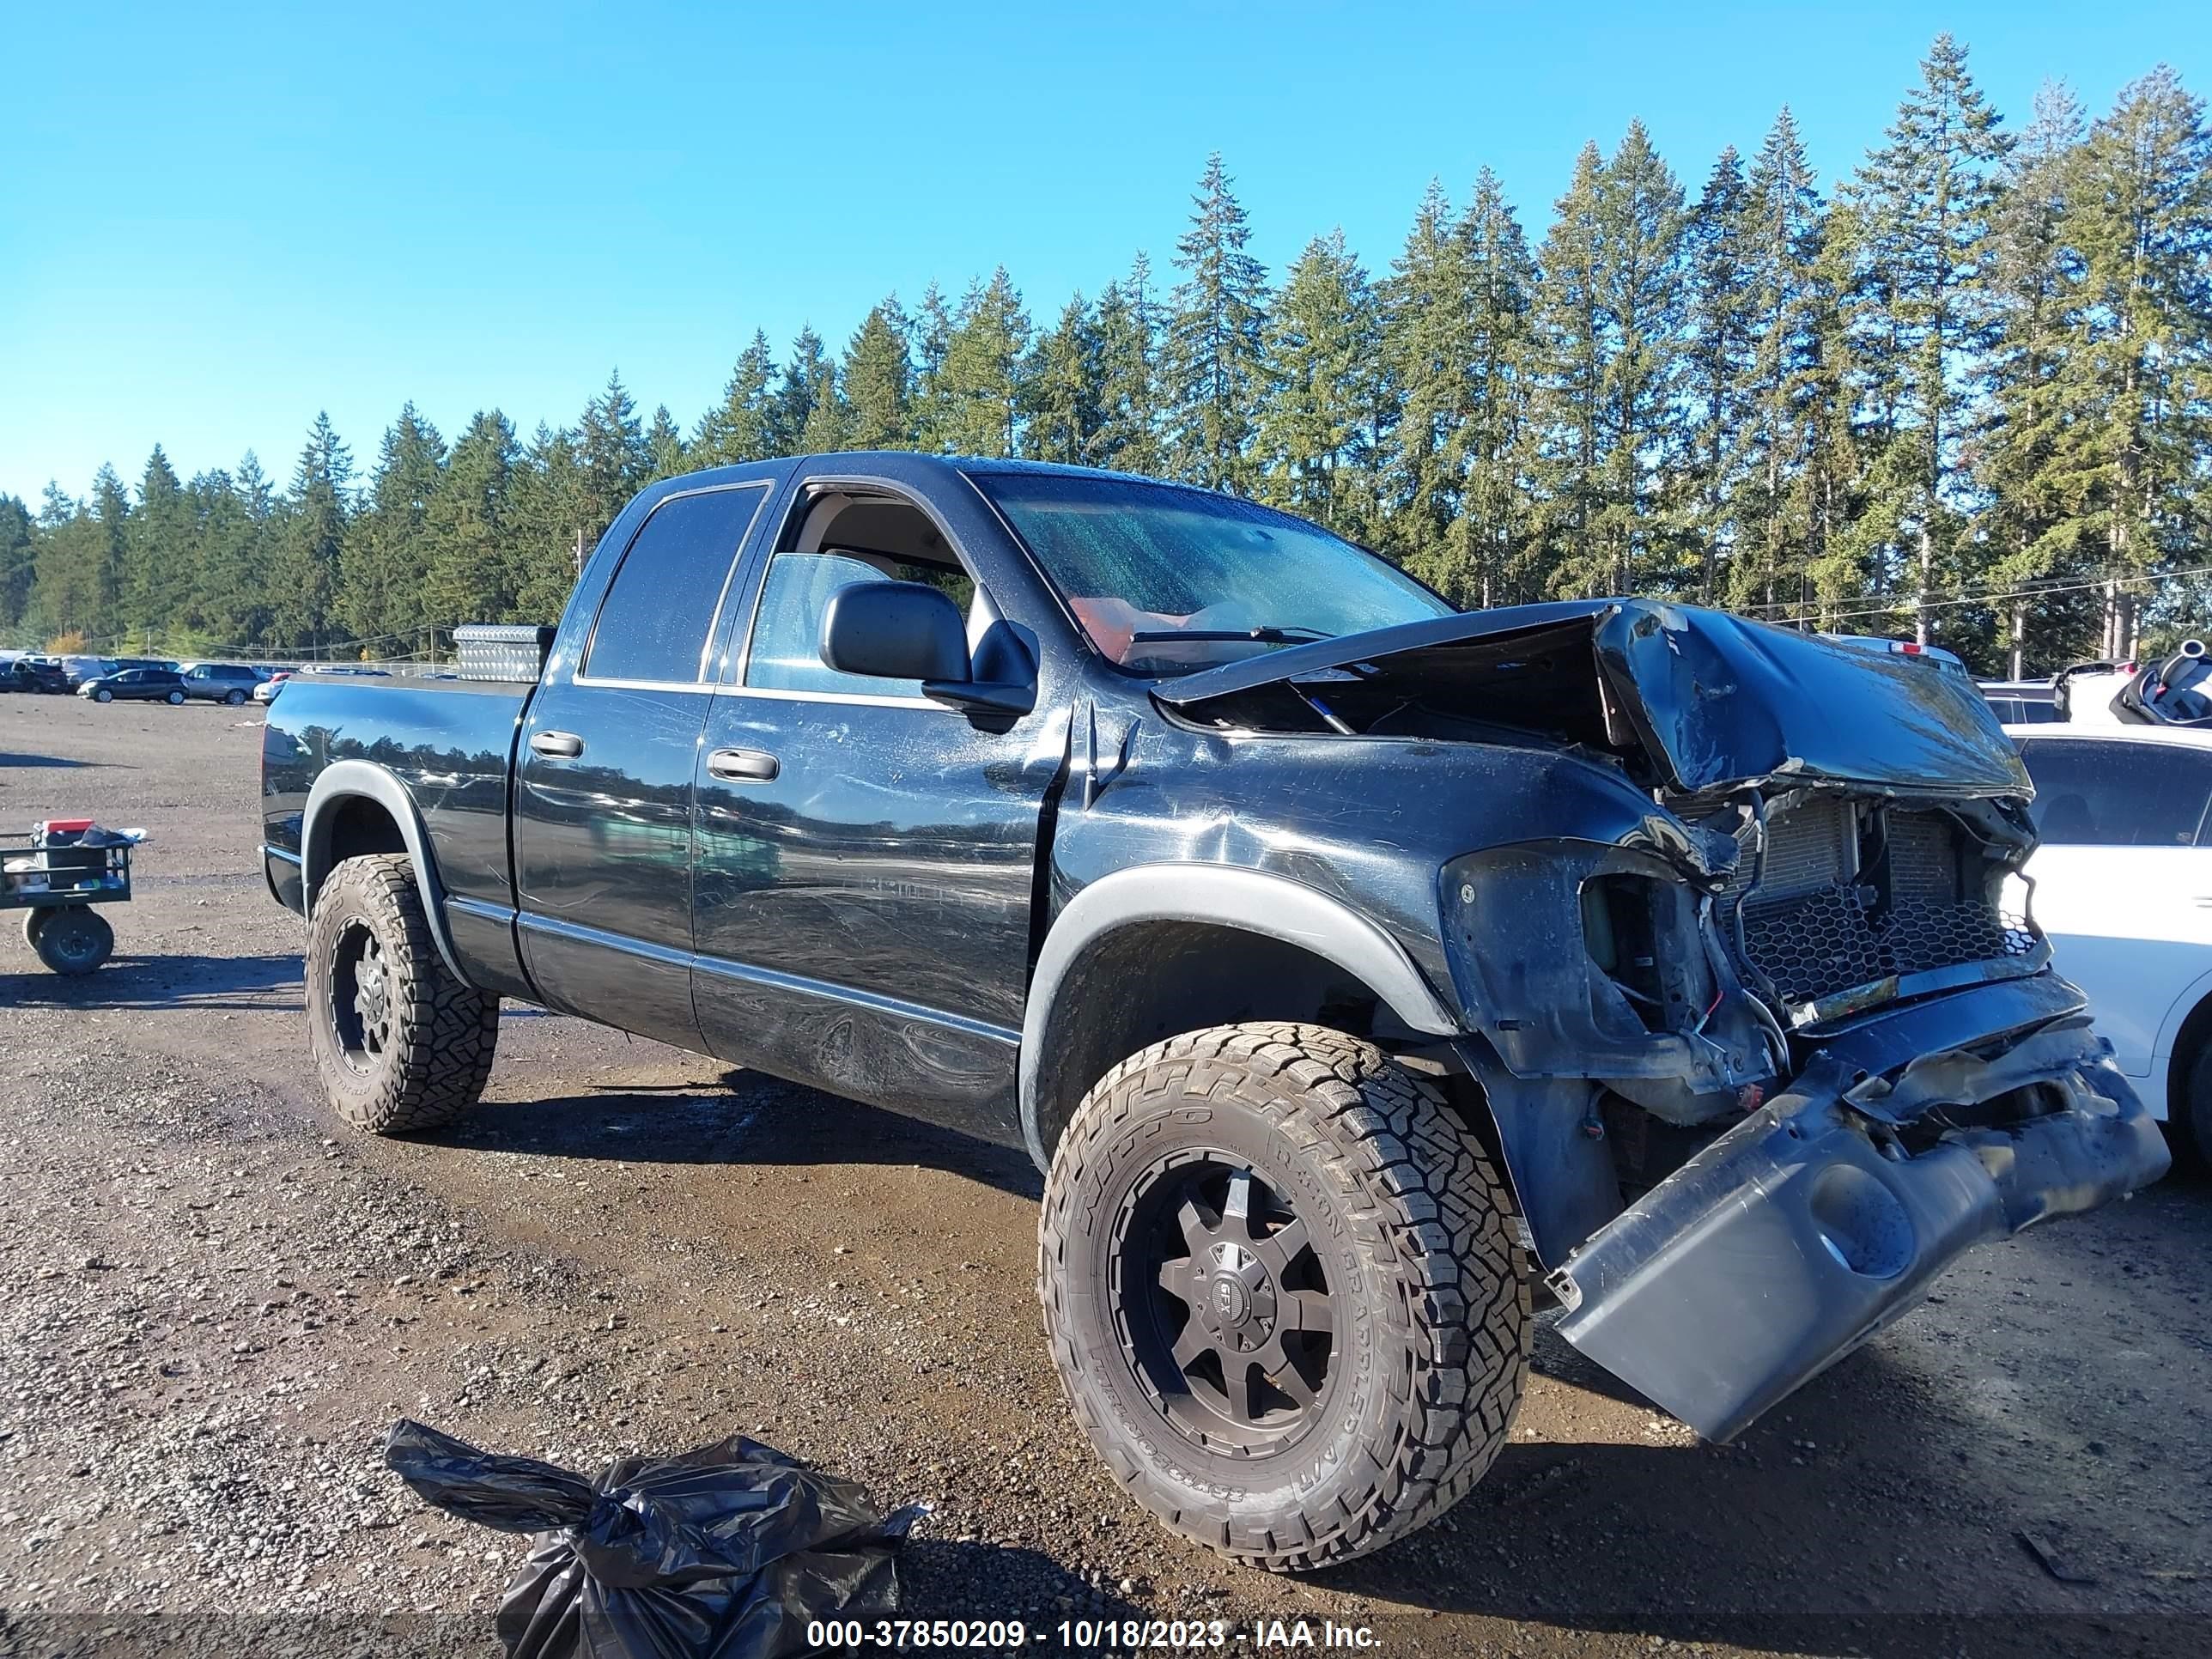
(1827, 1214)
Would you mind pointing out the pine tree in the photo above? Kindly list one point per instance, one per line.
(1216, 342)
(933, 404)
(1567, 437)
(1488, 542)
(809, 417)
(1925, 320)
(379, 596)
(976, 393)
(1128, 328)
(157, 584)
(665, 443)
(1427, 343)
(612, 449)
(310, 543)
(1612, 308)
(473, 570)
(553, 536)
(878, 381)
(230, 608)
(743, 427)
(1063, 388)
(2141, 220)
(2029, 471)
(1780, 247)
(1316, 439)
(18, 566)
(1642, 235)
(1717, 364)
(65, 585)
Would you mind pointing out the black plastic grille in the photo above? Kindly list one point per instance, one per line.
(1848, 932)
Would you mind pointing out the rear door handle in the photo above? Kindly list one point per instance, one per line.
(742, 765)
(556, 745)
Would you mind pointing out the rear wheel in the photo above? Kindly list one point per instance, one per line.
(1282, 1292)
(176, 699)
(233, 697)
(402, 1045)
(73, 939)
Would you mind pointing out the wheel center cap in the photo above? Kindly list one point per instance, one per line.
(1238, 1302)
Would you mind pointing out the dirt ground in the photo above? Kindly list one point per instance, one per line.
(218, 1299)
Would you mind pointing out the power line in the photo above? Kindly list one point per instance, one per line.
(1907, 604)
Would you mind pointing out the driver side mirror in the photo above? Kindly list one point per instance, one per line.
(912, 631)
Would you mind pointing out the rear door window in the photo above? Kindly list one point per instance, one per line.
(2098, 793)
(658, 614)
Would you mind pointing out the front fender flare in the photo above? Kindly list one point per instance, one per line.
(1252, 900)
(358, 780)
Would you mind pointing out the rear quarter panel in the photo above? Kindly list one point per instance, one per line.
(450, 743)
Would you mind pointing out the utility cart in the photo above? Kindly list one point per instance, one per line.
(69, 865)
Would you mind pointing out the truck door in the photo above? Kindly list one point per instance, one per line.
(865, 856)
(603, 770)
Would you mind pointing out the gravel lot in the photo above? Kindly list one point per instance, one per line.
(218, 1299)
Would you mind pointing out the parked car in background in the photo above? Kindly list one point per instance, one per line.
(2023, 702)
(2122, 886)
(266, 691)
(220, 681)
(39, 674)
(136, 685)
(77, 669)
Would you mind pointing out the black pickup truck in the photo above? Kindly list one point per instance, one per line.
(1356, 969)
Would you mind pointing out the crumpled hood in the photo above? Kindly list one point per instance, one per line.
(1714, 700)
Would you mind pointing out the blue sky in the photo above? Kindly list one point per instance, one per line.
(215, 222)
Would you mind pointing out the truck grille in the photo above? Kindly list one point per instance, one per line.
(1817, 925)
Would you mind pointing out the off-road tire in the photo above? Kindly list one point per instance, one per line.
(1405, 1212)
(441, 1032)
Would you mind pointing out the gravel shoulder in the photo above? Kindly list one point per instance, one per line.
(218, 1299)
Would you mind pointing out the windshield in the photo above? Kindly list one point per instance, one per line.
(1166, 580)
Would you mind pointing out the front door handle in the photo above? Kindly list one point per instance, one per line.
(556, 745)
(742, 765)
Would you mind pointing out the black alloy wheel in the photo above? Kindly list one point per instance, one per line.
(360, 981)
(1230, 1322)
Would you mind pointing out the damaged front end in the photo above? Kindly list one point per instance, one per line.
(1825, 1215)
(1770, 1050)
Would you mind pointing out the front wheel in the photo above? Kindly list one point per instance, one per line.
(1283, 1292)
(402, 1045)
(176, 700)
(103, 696)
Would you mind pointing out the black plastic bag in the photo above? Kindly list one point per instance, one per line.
(725, 1553)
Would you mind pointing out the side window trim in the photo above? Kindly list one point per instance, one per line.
(701, 682)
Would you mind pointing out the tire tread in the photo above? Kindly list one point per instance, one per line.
(1427, 1200)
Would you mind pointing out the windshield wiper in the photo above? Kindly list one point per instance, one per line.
(1269, 635)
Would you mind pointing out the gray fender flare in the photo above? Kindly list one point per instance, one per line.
(349, 780)
(1252, 900)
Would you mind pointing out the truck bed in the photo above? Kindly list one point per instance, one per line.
(451, 742)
